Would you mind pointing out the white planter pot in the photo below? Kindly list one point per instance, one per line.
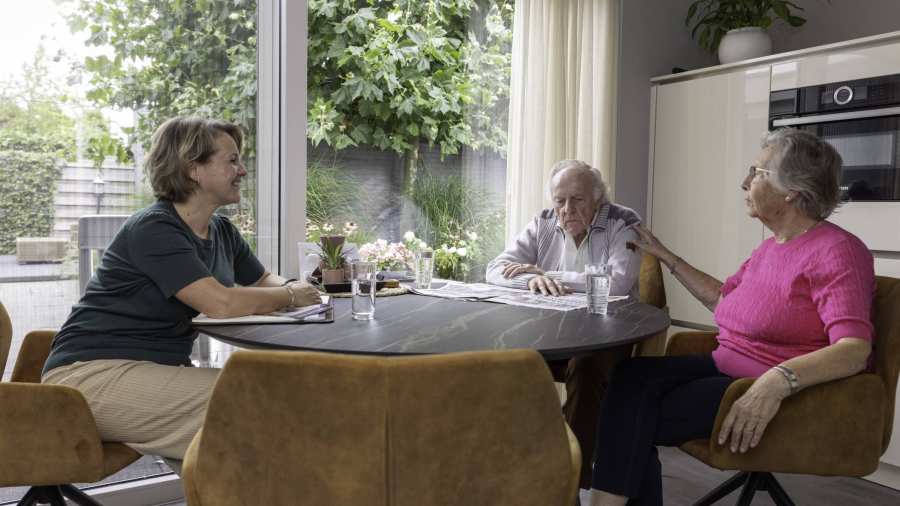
(743, 44)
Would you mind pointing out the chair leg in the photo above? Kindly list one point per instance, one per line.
(77, 496)
(776, 491)
(727, 487)
(754, 480)
(45, 494)
(29, 499)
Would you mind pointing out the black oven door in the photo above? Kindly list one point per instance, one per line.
(869, 143)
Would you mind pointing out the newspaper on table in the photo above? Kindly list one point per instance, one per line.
(511, 296)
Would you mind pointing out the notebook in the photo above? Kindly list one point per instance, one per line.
(317, 313)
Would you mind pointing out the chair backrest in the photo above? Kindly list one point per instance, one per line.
(95, 232)
(650, 282)
(469, 428)
(887, 344)
(32, 354)
(5, 337)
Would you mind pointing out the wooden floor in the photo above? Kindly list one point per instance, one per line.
(686, 479)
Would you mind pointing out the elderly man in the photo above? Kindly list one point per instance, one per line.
(549, 256)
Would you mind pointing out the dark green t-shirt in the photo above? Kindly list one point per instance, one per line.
(129, 309)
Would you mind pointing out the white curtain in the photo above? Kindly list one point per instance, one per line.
(562, 97)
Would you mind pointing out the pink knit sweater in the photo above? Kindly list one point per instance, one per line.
(793, 298)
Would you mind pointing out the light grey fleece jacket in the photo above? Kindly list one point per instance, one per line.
(542, 243)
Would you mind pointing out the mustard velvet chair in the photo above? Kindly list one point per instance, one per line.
(653, 292)
(481, 428)
(5, 338)
(48, 437)
(839, 428)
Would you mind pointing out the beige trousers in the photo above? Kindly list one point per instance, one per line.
(155, 409)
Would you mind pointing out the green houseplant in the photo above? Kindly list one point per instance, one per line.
(333, 259)
(737, 28)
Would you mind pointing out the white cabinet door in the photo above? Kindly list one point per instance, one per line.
(839, 65)
(707, 133)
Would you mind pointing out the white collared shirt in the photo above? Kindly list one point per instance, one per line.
(574, 257)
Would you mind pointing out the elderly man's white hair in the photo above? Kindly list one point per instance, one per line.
(601, 191)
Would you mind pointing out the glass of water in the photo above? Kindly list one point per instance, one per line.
(362, 287)
(597, 281)
(424, 267)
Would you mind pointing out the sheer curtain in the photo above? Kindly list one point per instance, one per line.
(561, 97)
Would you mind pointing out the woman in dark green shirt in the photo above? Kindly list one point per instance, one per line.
(127, 342)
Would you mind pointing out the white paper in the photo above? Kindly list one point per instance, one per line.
(511, 296)
(287, 315)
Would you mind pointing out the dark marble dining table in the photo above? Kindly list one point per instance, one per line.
(415, 324)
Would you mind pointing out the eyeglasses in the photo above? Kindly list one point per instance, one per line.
(754, 169)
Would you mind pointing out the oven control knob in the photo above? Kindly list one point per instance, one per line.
(843, 95)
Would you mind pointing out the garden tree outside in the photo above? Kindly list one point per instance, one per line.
(38, 122)
(395, 74)
(386, 74)
(170, 58)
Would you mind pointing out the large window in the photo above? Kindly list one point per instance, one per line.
(407, 125)
(83, 84)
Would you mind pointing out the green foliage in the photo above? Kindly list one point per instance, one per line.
(455, 213)
(172, 57)
(27, 184)
(448, 204)
(31, 118)
(329, 194)
(100, 142)
(332, 252)
(391, 74)
(712, 19)
(454, 260)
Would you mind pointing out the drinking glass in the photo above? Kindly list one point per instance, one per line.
(424, 267)
(362, 288)
(597, 281)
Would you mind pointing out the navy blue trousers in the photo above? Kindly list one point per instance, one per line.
(652, 401)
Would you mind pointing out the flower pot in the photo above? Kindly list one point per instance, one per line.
(744, 44)
(332, 276)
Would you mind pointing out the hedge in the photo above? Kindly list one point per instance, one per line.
(27, 184)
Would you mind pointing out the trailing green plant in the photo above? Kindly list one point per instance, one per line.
(27, 184)
(712, 19)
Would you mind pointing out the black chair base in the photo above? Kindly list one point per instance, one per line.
(56, 495)
(751, 481)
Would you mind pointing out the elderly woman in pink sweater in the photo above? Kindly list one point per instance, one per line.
(796, 314)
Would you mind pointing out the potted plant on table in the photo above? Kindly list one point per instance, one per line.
(333, 259)
(738, 28)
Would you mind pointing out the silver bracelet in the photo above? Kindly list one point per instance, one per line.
(291, 292)
(790, 376)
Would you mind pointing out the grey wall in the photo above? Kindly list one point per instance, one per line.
(837, 21)
(653, 39)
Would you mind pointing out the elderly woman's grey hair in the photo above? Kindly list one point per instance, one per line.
(808, 165)
(601, 190)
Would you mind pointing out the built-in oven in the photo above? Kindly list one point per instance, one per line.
(861, 119)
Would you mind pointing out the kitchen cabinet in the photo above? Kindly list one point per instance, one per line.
(707, 134)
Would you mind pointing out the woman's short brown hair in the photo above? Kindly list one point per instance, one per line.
(176, 145)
